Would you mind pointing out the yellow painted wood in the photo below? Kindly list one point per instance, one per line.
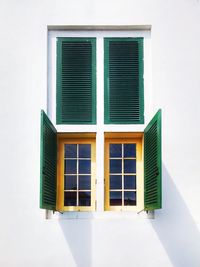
(125, 138)
(76, 135)
(74, 139)
(124, 135)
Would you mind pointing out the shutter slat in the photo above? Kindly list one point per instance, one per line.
(153, 164)
(48, 164)
(76, 80)
(124, 80)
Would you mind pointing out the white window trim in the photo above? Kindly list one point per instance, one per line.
(100, 127)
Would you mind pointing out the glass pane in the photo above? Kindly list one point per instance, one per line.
(129, 198)
(115, 182)
(70, 151)
(70, 182)
(70, 199)
(85, 151)
(115, 166)
(84, 182)
(115, 150)
(129, 166)
(84, 199)
(129, 181)
(115, 198)
(70, 166)
(85, 166)
(129, 150)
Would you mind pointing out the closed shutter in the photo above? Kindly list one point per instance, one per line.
(76, 81)
(48, 164)
(153, 164)
(124, 100)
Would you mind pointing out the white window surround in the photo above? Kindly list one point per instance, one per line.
(100, 127)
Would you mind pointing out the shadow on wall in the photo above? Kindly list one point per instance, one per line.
(78, 235)
(176, 228)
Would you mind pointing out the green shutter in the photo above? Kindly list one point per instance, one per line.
(123, 81)
(76, 81)
(48, 164)
(153, 164)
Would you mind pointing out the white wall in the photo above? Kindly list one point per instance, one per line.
(172, 238)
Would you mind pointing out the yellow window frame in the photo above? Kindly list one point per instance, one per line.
(83, 138)
(125, 138)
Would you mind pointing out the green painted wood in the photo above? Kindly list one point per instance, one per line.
(48, 164)
(76, 81)
(123, 81)
(153, 164)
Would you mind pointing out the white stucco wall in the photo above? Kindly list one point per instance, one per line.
(173, 237)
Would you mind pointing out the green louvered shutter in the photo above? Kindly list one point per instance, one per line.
(48, 164)
(123, 81)
(153, 164)
(76, 81)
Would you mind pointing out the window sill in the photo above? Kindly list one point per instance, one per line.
(99, 215)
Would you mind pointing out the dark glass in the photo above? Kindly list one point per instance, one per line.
(84, 182)
(115, 182)
(129, 181)
(129, 166)
(115, 166)
(70, 151)
(129, 150)
(115, 150)
(129, 198)
(70, 182)
(70, 199)
(84, 166)
(115, 198)
(85, 151)
(70, 166)
(84, 199)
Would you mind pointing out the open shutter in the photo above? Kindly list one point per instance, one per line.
(76, 81)
(153, 164)
(48, 164)
(124, 100)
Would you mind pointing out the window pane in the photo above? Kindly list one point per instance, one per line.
(115, 166)
(129, 150)
(129, 166)
(85, 166)
(70, 199)
(84, 199)
(70, 166)
(115, 150)
(129, 198)
(70, 151)
(85, 151)
(129, 181)
(115, 198)
(70, 182)
(84, 182)
(115, 182)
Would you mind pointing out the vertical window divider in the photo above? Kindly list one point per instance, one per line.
(100, 123)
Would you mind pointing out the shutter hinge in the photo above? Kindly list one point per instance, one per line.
(140, 211)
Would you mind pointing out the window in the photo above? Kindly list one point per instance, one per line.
(76, 173)
(112, 155)
(123, 171)
(118, 165)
